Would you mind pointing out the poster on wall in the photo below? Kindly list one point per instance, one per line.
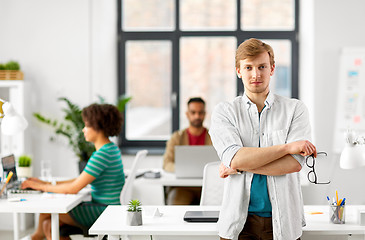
(350, 96)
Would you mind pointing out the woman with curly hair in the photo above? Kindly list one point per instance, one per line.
(104, 172)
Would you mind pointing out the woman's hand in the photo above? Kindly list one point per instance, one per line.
(37, 180)
(35, 184)
(225, 172)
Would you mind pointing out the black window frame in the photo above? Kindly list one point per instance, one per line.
(158, 146)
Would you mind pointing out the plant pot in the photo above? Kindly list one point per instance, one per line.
(24, 172)
(134, 218)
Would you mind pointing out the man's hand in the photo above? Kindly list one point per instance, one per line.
(225, 172)
(303, 148)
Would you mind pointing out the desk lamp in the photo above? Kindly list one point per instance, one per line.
(12, 122)
(353, 154)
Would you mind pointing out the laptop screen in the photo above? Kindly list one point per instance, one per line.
(191, 160)
(8, 164)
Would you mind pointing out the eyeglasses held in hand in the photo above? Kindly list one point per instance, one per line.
(310, 161)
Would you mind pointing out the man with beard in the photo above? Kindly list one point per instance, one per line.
(195, 134)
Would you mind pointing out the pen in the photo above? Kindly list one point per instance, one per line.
(328, 200)
(6, 182)
(336, 197)
(343, 202)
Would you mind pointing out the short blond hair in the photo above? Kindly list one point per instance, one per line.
(252, 48)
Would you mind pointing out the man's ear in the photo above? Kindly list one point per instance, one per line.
(272, 70)
(238, 72)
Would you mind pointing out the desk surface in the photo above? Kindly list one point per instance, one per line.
(169, 179)
(112, 222)
(320, 224)
(43, 203)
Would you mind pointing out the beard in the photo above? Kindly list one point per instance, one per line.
(197, 123)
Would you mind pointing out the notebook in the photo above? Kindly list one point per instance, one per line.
(190, 160)
(13, 187)
(201, 216)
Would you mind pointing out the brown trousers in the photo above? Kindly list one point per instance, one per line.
(256, 228)
(184, 196)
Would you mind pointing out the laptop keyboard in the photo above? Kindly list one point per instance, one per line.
(23, 191)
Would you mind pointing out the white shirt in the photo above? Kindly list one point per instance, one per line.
(237, 124)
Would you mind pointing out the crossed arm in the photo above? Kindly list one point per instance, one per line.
(274, 160)
(70, 187)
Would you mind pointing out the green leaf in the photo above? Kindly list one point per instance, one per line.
(101, 99)
(134, 206)
(122, 102)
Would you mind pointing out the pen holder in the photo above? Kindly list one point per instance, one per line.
(337, 214)
(4, 194)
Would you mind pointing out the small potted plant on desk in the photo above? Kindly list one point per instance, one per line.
(24, 166)
(134, 213)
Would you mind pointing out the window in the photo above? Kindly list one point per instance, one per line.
(171, 50)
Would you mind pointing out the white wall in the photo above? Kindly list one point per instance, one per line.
(65, 48)
(336, 24)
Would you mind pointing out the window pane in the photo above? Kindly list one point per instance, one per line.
(208, 15)
(148, 78)
(281, 80)
(267, 15)
(206, 70)
(151, 15)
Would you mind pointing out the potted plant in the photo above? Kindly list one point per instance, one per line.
(134, 213)
(24, 168)
(10, 71)
(72, 126)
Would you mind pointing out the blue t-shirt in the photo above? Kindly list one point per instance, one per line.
(260, 204)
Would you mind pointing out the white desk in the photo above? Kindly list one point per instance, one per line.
(319, 224)
(144, 188)
(112, 222)
(43, 203)
(169, 179)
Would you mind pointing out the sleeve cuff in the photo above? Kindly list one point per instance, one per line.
(299, 158)
(229, 154)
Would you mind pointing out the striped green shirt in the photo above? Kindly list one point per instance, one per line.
(107, 168)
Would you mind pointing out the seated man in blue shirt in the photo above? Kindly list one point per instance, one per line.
(265, 137)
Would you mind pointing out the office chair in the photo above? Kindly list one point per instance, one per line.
(126, 193)
(213, 185)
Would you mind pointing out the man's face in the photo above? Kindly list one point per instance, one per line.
(256, 73)
(196, 114)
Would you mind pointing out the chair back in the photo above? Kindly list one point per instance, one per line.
(213, 185)
(126, 193)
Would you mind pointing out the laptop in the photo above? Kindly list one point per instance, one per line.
(190, 160)
(201, 216)
(8, 164)
(14, 185)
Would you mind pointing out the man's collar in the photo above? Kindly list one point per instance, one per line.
(268, 102)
